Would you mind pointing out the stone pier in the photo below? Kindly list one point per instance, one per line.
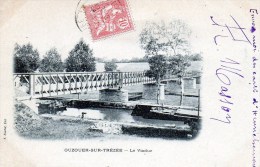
(189, 83)
(174, 86)
(150, 91)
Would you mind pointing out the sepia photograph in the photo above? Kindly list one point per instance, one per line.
(83, 95)
(114, 83)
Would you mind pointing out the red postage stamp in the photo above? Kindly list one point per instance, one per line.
(108, 18)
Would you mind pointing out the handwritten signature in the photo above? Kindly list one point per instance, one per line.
(229, 67)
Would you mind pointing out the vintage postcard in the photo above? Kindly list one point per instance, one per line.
(123, 83)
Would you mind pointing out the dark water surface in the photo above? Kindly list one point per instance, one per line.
(115, 115)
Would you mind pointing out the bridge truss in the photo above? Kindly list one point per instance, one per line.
(51, 84)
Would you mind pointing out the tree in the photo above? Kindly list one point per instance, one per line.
(51, 62)
(158, 67)
(110, 66)
(178, 66)
(178, 34)
(26, 59)
(161, 40)
(80, 58)
(196, 57)
(170, 39)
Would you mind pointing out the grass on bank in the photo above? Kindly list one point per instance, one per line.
(30, 125)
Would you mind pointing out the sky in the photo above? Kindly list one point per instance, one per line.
(46, 24)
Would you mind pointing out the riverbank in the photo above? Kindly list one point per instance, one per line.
(50, 126)
(30, 125)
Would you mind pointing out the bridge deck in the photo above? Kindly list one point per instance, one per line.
(57, 83)
(50, 84)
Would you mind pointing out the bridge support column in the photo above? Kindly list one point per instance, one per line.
(150, 91)
(161, 91)
(174, 86)
(198, 79)
(31, 85)
(189, 83)
(113, 95)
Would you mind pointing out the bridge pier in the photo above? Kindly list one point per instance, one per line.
(189, 83)
(113, 95)
(174, 86)
(150, 91)
(31, 85)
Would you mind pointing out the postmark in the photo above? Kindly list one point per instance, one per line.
(108, 18)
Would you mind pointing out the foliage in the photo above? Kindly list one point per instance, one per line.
(178, 64)
(80, 58)
(110, 66)
(100, 60)
(26, 59)
(160, 41)
(136, 59)
(196, 57)
(158, 67)
(51, 62)
(132, 60)
(170, 39)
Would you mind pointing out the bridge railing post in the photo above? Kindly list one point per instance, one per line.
(31, 84)
(120, 81)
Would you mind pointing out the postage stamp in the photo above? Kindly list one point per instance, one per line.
(108, 18)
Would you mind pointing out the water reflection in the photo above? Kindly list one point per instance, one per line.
(114, 115)
(88, 113)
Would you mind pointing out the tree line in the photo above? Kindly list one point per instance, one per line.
(27, 59)
(80, 59)
(132, 60)
(145, 59)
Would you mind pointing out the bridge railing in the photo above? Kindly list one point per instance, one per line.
(56, 83)
(49, 84)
